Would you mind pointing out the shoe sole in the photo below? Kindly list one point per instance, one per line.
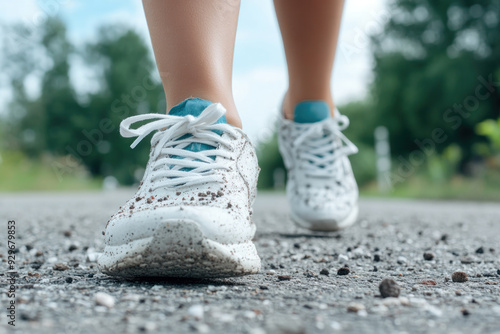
(327, 225)
(179, 249)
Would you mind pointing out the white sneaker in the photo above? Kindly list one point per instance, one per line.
(321, 189)
(191, 216)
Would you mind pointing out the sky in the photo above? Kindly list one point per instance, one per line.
(260, 77)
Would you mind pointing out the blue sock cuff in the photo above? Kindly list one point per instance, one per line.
(311, 111)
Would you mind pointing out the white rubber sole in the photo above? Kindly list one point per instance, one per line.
(179, 249)
(327, 225)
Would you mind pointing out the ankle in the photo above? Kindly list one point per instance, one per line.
(232, 116)
(291, 100)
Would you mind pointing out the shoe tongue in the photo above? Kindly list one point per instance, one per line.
(311, 112)
(194, 107)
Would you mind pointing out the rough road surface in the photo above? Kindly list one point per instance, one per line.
(59, 288)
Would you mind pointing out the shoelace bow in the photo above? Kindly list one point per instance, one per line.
(172, 164)
(322, 144)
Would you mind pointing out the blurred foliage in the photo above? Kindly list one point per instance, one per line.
(459, 187)
(491, 129)
(20, 173)
(437, 66)
(269, 160)
(82, 128)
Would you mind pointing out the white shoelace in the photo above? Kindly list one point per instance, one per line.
(187, 168)
(320, 146)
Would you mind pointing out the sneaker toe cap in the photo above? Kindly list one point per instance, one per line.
(217, 224)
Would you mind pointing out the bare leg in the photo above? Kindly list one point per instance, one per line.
(310, 32)
(193, 42)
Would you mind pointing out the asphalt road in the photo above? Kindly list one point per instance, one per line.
(60, 290)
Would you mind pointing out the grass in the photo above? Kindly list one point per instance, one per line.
(458, 188)
(20, 173)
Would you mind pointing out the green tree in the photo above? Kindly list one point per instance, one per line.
(430, 60)
(39, 124)
(126, 87)
(84, 128)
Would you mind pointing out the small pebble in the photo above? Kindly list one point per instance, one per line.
(459, 276)
(309, 273)
(343, 271)
(465, 312)
(92, 256)
(389, 288)
(376, 258)
(402, 260)
(480, 250)
(67, 233)
(325, 272)
(467, 260)
(69, 279)
(343, 258)
(196, 311)
(104, 299)
(355, 307)
(60, 267)
(428, 256)
(428, 282)
(284, 277)
(28, 316)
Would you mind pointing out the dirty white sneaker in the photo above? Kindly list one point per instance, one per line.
(321, 188)
(191, 216)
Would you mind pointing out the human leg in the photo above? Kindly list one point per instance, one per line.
(321, 188)
(310, 32)
(193, 42)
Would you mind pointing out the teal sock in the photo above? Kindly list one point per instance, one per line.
(194, 107)
(311, 111)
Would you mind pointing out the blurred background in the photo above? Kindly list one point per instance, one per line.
(419, 80)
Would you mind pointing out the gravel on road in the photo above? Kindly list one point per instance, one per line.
(310, 282)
